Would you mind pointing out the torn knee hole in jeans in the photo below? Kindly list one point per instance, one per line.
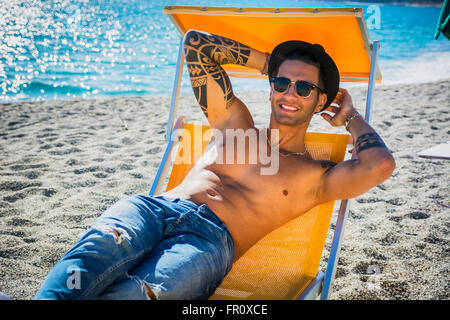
(151, 290)
(119, 234)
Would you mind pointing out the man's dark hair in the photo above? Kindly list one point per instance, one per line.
(306, 58)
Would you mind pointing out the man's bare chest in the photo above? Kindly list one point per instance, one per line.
(291, 186)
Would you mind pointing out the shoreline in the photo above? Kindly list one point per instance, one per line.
(65, 161)
(186, 96)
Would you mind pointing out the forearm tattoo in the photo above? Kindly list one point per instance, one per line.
(367, 141)
(204, 55)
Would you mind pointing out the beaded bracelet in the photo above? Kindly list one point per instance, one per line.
(350, 117)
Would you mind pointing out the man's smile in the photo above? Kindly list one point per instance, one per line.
(288, 107)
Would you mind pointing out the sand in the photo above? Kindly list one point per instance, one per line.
(62, 163)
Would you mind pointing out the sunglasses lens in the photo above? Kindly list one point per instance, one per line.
(303, 89)
(280, 84)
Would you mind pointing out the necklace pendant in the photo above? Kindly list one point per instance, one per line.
(284, 154)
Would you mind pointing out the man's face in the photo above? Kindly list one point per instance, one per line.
(290, 109)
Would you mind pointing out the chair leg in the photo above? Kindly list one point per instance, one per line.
(175, 91)
(313, 290)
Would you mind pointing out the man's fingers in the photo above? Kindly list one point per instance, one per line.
(326, 116)
(330, 119)
(340, 96)
(342, 91)
(337, 99)
(333, 109)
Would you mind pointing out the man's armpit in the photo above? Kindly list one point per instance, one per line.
(327, 164)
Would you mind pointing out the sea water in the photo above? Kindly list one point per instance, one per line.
(61, 49)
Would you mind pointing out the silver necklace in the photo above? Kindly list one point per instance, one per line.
(284, 154)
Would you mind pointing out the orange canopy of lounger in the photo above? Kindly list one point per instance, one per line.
(341, 31)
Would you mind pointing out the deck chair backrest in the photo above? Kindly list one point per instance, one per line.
(341, 31)
(283, 263)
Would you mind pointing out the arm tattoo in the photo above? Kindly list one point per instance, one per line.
(367, 141)
(204, 55)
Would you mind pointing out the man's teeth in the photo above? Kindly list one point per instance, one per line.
(288, 108)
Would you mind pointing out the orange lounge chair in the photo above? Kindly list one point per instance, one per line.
(284, 264)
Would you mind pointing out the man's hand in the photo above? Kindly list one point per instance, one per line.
(342, 111)
(374, 162)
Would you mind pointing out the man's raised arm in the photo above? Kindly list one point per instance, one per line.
(205, 53)
(374, 164)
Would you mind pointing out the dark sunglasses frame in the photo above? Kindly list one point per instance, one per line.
(299, 86)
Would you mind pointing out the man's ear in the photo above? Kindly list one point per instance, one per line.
(321, 102)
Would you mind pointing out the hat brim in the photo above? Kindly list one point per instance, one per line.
(327, 64)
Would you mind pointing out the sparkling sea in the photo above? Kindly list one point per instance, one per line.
(61, 49)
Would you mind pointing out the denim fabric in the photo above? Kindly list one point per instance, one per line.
(174, 247)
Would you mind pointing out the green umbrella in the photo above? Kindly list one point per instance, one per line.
(444, 21)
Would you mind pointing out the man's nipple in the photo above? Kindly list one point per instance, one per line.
(285, 192)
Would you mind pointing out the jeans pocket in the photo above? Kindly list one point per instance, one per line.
(179, 221)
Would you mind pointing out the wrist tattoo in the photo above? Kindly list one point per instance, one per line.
(204, 55)
(367, 141)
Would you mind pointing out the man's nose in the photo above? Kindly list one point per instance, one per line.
(290, 92)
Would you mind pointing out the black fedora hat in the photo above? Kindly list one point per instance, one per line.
(327, 64)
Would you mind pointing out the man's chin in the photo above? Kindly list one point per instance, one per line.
(288, 121)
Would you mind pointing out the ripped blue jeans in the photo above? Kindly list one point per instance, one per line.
(145, 248)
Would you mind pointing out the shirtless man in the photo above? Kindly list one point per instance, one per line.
(181, 244)
(251, 204)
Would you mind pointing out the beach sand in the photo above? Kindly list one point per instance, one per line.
(62, 163)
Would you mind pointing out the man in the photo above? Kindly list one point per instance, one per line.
(181, 244)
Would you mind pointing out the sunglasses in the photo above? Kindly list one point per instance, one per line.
(303, 88)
